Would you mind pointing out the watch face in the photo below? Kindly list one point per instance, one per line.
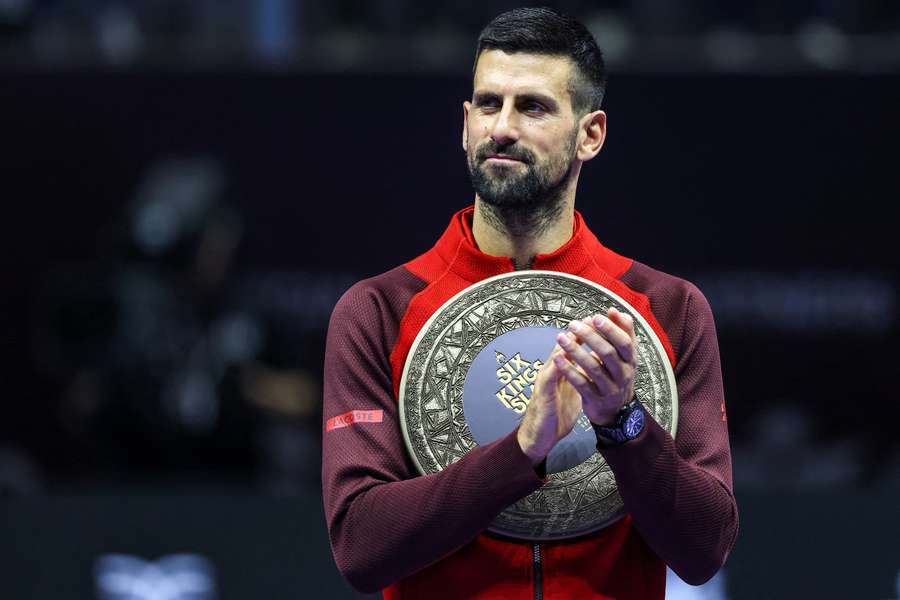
(634, 424)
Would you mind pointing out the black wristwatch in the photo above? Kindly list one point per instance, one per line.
(628, 425)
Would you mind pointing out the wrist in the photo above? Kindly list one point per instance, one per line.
(605, 420)
(627, 425)
(609, 419)
(534, 454)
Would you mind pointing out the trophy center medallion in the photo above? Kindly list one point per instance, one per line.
(499, 385)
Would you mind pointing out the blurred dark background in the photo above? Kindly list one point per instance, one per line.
(189, 186)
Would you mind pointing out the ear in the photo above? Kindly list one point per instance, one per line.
(465, 136)
(591, 134)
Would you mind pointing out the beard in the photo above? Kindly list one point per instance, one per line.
(522, 198)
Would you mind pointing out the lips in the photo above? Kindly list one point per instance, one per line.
(505, 157)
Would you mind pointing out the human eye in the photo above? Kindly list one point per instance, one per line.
(487, 102)
(533, 107)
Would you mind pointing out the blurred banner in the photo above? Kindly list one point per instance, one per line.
(691, 36)
(224, 543)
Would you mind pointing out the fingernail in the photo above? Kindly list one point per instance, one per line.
(599, 320)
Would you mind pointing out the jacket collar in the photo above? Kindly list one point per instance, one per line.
(580, 255)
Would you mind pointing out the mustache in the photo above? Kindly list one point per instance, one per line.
(512, 150)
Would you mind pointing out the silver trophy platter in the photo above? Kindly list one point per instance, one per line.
(467, 381)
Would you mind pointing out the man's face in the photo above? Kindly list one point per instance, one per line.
(520, 133)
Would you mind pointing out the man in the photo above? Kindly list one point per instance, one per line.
(533, 120)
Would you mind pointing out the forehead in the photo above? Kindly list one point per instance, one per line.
(523, 72)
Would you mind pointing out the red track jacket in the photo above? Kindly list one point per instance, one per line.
(423, 536)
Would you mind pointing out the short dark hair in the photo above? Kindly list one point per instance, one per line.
(545, 31)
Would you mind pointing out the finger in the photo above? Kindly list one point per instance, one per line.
(549, 373)
(622, 319)
(607, 353)
(624, 350)
(619, 333)
(582, 384)
(588, 362)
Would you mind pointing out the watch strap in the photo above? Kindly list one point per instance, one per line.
(615, 434)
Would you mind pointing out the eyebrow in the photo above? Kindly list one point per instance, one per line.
(549, 102)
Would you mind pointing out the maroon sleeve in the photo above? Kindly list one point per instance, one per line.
(679, 491)
(386, 521)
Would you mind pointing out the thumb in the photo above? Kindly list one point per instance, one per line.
(551, 371)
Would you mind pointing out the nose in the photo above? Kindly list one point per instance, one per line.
(505, 128)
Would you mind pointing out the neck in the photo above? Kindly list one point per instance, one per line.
(522, 234)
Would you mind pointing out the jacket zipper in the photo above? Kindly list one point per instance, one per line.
(538, 575)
